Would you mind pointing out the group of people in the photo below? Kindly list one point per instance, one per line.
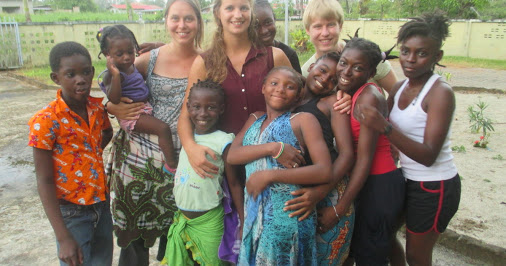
(238, 155)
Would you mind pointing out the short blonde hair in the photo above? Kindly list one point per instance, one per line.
(326, 9)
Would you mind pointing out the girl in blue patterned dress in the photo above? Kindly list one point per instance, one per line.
(270, 236)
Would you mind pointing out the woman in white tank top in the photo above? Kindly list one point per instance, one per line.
(422, 108)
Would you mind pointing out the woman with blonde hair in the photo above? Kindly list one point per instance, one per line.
(141, 192)
(323, 21)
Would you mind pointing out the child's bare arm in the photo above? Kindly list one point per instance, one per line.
(365, 152)
(112, 82)
(106, 137)
(196, 153)
(308, 197)
(152, 125)
(69, 251)
(236, 189)
(240, 154)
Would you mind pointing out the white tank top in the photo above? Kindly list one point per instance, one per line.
(411, 122)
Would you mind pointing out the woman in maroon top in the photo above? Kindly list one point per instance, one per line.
(239, 64)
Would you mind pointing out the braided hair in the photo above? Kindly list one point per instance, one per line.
(370, 49)
(208, 85)
(330, 55)
(298, 77)
(434, 25)
(109, 32)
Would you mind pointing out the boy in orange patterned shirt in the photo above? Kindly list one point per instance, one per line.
(67, 137)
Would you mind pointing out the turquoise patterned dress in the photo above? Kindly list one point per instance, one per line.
(270, 237)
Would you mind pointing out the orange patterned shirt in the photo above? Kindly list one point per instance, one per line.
(78, 165)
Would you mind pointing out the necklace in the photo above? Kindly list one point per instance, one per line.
(416, 97)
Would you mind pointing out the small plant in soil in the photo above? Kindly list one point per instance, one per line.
(498, 157)
(459, 149)
(480, 123)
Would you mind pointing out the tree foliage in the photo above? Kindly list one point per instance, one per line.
(456, 9)
(84, 5)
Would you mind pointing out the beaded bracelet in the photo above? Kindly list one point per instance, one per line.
(281, 149)
(337, 215)
(168, 169)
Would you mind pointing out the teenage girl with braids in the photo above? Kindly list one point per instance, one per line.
(122, 79)
(376, 186)
(421, 113)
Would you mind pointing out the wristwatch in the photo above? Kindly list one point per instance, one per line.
(387, 129)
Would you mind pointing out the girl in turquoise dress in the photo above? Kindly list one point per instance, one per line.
(270, 236)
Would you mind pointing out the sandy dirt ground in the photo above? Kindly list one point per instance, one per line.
(26, 237)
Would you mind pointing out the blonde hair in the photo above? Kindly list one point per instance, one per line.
(216, 59)
(196, 8)
(325, 9)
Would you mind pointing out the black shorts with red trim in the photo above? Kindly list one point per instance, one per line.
(431, 205)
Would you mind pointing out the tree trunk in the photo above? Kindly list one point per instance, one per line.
(27, 11)
(130, 11)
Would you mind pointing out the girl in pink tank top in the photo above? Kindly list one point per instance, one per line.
(376, 185)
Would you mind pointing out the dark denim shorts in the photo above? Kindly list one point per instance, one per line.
(91, 227)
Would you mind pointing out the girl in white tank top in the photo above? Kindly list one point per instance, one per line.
(422, 109)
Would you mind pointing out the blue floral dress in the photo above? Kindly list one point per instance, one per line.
(270, 237)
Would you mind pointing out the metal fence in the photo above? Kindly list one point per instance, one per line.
(10, 45)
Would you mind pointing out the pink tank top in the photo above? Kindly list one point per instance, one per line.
(382, 161)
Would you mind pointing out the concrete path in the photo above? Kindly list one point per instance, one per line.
(26, 234)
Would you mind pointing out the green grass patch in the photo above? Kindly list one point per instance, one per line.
(42, 73)
(303, 57)
(462, 61)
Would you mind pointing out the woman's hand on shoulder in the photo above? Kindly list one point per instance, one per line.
(197, 156)
(370, 117)
(343, 103)
(142, 63)
(148, 46)
(126, 109)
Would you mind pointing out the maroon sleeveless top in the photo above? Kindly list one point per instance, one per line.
(243, 92)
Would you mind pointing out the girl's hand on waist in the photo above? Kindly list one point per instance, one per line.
(198, 160)
(304, 203)
(327, 219)
(257, 182)
(343, 104)
(291, 157)
(126, 109)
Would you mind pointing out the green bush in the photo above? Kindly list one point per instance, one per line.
(301, 42)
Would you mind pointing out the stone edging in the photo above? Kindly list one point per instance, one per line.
(473, 248)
